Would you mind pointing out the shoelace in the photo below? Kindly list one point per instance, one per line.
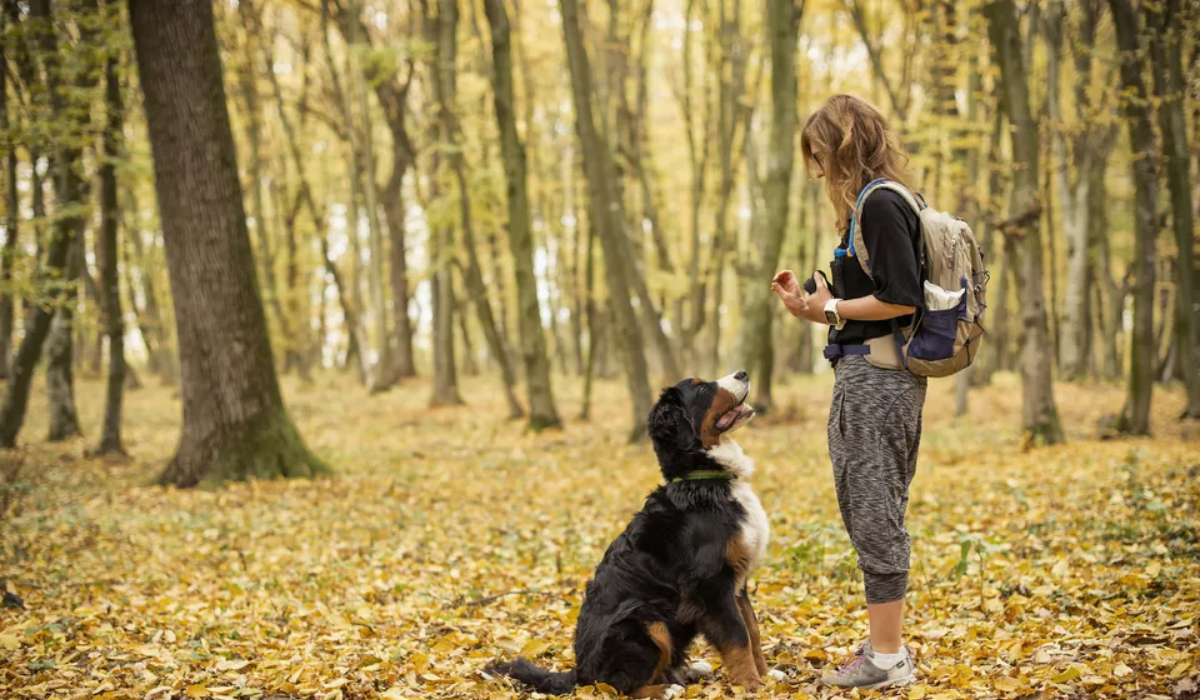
(857, 660)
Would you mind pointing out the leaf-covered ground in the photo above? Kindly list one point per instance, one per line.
(449, 537)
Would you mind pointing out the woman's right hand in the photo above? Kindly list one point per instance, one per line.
(786, 287)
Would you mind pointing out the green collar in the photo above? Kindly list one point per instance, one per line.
(704, 474)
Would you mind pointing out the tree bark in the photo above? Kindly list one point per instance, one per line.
(1136, 413)
(234, 421)
(106, 256)
(782, 23)
(543, 413)
(1165, 31)
(606, 212)
(1040, 418)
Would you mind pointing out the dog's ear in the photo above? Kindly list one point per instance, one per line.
(670, 428)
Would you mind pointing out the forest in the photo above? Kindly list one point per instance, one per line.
(329, 330)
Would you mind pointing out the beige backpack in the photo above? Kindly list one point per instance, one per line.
(947, 331)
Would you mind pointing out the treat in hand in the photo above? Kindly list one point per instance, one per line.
(811, 284)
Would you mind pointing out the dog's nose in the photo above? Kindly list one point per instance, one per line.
(741, 375)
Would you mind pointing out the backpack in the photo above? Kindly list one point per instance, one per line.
(946, 332)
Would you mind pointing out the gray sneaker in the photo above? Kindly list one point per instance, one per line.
(862, 672)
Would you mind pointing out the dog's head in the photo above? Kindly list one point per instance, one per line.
(693, 416)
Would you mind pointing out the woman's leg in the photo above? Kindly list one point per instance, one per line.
(884, 621)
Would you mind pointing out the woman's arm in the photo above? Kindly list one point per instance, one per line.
(812, 307)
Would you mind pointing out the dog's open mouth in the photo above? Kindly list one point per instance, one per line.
(735, 416)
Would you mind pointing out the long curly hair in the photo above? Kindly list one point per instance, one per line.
(847, 141)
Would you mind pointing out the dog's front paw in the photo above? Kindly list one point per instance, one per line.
(700, 669)
(674, 690)
(776, 674)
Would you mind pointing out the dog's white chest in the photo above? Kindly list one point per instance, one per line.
(755, 529)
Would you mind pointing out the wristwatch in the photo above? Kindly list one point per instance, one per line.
(832, 316)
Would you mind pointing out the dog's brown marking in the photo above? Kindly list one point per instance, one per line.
(752, 628)
(739, 557)
(660, 635)
(723, 402)
(739, 662)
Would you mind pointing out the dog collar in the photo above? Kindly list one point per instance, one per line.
(704, 474)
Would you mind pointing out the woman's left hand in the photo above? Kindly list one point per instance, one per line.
(813, 306)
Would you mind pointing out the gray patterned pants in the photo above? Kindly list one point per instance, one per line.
(874, 429)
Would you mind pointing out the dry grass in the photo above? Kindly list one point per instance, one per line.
(449, 537)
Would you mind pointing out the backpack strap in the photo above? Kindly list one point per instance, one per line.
(856, 245)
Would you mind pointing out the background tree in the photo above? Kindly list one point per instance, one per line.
(235, 424)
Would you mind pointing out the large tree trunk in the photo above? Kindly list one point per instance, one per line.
(608, 215)
(234, 421)
(1136, 413)
(543, 413)
(1166, 29)
(70, 190)
(1040, 418)
(783, 18)
(106, 256)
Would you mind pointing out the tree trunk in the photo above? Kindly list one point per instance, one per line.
(249, 93)
(543, 413)
(1136, 413)
(234, 421)
(392, 95)
(12, 217)
(70, 190)
(441, 28)
(1040, 418)
(1170, 90)
(593, 322)
(608, 215)
(106, 256)
(783, 19)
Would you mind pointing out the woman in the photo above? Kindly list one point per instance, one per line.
(876, 416)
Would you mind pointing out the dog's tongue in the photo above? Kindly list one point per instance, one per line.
(727, 419)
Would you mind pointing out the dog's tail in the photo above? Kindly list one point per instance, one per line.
(541, 680)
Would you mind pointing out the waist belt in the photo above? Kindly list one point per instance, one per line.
(879, 352)
(834, 351)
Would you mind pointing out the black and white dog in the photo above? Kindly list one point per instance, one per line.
(680, 568)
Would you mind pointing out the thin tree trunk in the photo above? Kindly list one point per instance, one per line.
(106, 256)
(1040, 418)
(593, 327)
(70, 190)
(782, 23)
(441, 32)
(1136, 413)
(539, 393)
(234, 421)
(60, 377)
(608, 215)
(248, 92)
(392, 95)
(12, 216)
(1166, 43)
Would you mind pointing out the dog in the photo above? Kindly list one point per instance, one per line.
(680, 568)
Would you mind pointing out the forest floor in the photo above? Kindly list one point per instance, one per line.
(449, 537)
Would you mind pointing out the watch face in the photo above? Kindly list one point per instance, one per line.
(830, 318)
